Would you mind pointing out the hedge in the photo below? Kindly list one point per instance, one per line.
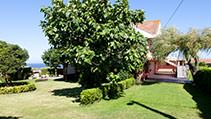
(28, 86)
(107, 91)
(202, 79)
(129, 82)
(22, 73)
(90, 96)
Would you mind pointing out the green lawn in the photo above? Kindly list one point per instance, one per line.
(56, 100)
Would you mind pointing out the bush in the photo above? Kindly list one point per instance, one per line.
(111, 90)
(202, 79)
(114, 90)
(27, 86)
(52, 71)
(44, 71)
(90, 96)
(129, 82)
(124, 75)
(105, 88)
(22, 74)
(202, 64)
(122, 85)
(89, 79)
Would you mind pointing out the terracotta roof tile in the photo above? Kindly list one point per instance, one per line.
(151, 26)
(205, 60)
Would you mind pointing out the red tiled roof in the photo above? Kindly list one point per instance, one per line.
(205, 60)
(151, 26)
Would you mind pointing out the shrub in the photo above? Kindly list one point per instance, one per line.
(22, 74)
(27, 86)
(107, 91)
(122, 85)
(105, 88)
(114, 90)
(90, 96)
(202, 64)
(89, 80)
(51, 71)
(129, 82)
(202, 79)
(44, 71)
(124, 75)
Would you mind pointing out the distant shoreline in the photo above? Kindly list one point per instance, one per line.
(36, 65)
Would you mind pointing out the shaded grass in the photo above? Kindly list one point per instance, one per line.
(53, 99)
(202, 99)
(169, 99)
(69, 92)
(14, 84)
(9, 117)
(151, 109)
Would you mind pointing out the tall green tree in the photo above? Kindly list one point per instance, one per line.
(165, 43)
(188, 44)
(51, 58)
(95, 36)
(12, 59)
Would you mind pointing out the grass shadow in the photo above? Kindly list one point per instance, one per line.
(114, 98)
(146, 82)
(202, 99)
(59, 79)
(69, 92)
(71, 79)
(14, 83)
(9, 117)
(151, 109)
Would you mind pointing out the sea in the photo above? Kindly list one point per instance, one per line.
(36, 65)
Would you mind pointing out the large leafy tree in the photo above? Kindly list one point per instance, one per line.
(12, 59)
(95, 36)
(188, 44)
(51, 58)
(165, 44)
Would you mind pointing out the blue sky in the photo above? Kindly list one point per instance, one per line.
(20, 19)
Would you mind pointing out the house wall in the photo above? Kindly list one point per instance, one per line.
(181, 72)
(157, 68)
(151, 69)
(164, 65)
(149, 40)
(70, 69)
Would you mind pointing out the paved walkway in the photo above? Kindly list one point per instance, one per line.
(182, 81)
(167, 78)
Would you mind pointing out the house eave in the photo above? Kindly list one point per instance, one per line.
(146, 34)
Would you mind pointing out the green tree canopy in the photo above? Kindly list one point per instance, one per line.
(12, 58)
(96, 36)
(188, 44)
(51, 58)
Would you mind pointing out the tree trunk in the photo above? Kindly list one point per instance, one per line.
(196, 63)
(7, 80)
(192, 68)
(55, 71)
(65, 66)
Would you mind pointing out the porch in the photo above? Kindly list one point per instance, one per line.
(167, 78)
(169, 69)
